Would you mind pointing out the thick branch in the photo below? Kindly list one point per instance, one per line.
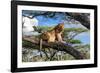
(58, 46)
(81, 17)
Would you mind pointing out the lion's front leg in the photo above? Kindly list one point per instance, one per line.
(59, 38)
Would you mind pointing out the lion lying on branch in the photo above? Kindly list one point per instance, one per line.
(52, 35)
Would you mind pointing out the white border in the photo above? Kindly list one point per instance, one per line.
(53, 63)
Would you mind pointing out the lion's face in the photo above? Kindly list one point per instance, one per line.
(60, 28)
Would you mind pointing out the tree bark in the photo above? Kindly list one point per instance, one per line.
(82, 18)
(57, 46)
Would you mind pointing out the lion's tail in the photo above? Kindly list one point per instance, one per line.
(40, 49)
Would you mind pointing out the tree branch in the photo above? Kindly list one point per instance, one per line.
(57, 46)
(81, 17)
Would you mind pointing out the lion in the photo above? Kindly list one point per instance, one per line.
(53, 35)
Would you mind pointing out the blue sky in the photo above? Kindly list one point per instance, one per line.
(43, 21)
(84, 37)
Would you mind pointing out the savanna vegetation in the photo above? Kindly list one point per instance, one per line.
(31, 52)
(73, 49)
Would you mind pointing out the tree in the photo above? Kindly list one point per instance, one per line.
(69, 35)
(83, 18)
(57, 46)
(54, 48)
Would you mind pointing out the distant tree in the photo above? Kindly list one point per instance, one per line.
(71, 33)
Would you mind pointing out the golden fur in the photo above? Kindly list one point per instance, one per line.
(54, 34)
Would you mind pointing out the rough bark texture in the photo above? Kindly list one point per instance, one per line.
(57, 46)
(82, 18)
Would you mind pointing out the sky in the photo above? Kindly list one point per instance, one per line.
(43, 21)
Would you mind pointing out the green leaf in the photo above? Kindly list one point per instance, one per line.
(75, 41)
(78, 30)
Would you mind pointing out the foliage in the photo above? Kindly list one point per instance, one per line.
(75, 41)
(83, 18)
(69, 34)
(48, 54)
